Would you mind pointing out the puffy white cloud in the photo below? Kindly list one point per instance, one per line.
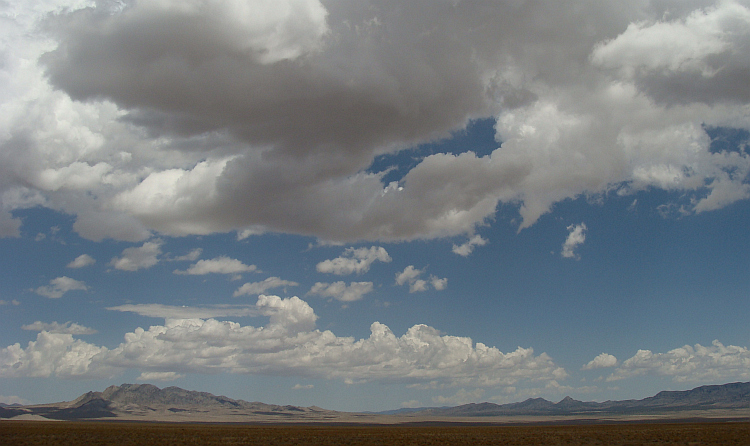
(219, 265)
(230, 121)
(53, 354)
(467, 248)
(261, 287)
(437, 283)
(576, 236)
(689, 364)
(354, 261)
(56, 327)
(142, 257)
(59, 286)
(82, 261)
(290, 344)
(603, 360)
(341, 291)
(410, 275)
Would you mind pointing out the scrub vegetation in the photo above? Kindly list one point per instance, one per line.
(23, 433)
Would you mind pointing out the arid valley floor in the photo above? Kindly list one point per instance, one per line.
(33, 433)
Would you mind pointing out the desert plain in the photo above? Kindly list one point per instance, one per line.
(93, 433)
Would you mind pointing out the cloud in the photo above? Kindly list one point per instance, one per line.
(55, 327)
(604, 360)
(354, 261)
(270, 121)
(143, 257)
(82, 261)
(463, 396)
(576, 236)
(689, 364)
(302, 387)
(288, 344)
(159, 376)
(13, 302)
(59, 286)
(192, 256)
(184, 312)
(467, 248)
(411, 275)
(341, 292)
(14, 400)
(219, 265)
(252, 288)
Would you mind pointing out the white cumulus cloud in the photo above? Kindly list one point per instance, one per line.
(467, 248)
(576, 237)
(59, 286)
(142, 257)
(698, 363)
(603, 360)
(354, 260)
(219, 265)
(56, 327)
(341, 291)
(410, 275)
(289, 344)
(82, 261)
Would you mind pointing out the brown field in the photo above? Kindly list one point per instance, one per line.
(34, 433)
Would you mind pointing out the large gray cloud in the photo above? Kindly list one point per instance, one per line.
(191, 118)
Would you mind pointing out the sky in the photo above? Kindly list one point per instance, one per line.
(368, 205)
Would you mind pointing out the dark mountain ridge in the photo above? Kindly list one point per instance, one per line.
(146, 401)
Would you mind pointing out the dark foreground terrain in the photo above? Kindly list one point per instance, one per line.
(33, 433)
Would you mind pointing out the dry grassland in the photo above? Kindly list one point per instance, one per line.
(25, 433)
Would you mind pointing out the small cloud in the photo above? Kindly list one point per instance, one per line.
(411, 275)
(55, 327)
(218, 265)
(249, 232)
(437, 283)
(81, 261)
(302, 387)
(60, 286)
(463, 396)
(467, 248)
(411, 404)
(576, 236)
(253, 288)
(354, 261)
(39, 237)
(14, 400)
(13, 302)
(604, 360)
(142, 257)
(341, 292)
(159, 376)
(192, 256)
(185, 312)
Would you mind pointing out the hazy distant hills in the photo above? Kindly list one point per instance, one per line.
(150, 403)
(726, 396)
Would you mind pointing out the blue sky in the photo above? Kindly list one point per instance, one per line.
(373, 205)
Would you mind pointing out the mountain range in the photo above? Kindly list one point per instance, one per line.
(147, 402)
